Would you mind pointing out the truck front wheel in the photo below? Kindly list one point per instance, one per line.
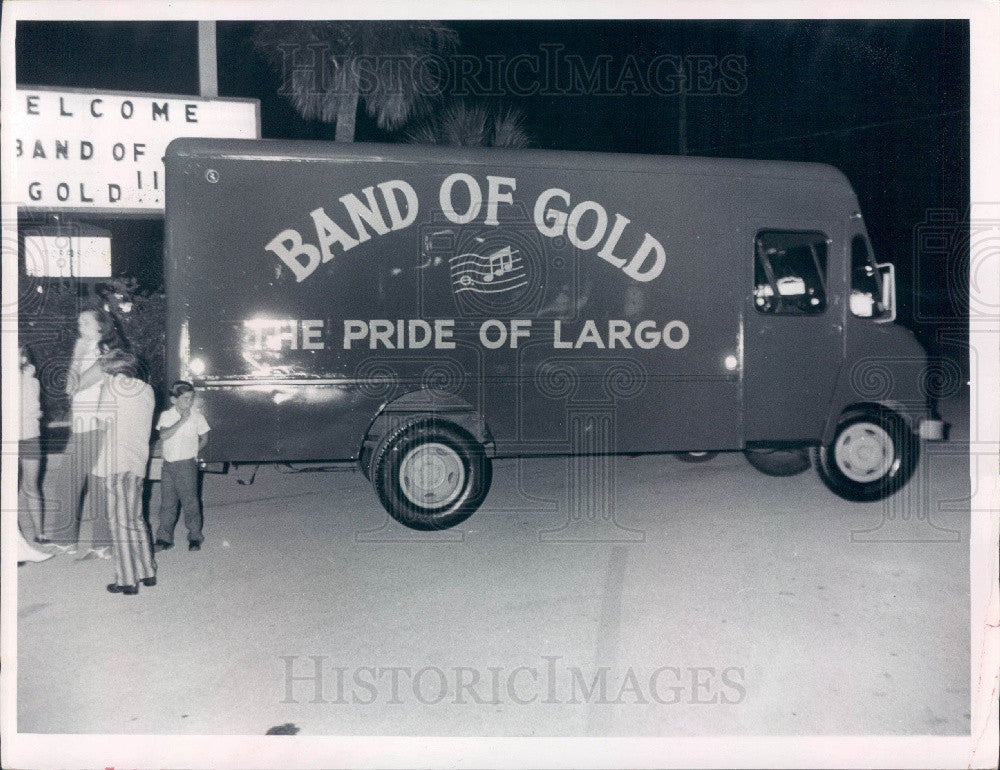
(873, 455)
(431, 475)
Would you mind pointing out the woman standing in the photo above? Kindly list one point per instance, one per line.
(88, 535)
(29, 456)
(122, 469)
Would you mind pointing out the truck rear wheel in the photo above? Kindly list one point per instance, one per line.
(431, 475)
(778, 462)
(873, 454)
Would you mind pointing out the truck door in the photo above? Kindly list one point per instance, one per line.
(793, 332)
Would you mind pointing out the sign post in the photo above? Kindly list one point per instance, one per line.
(208, 67)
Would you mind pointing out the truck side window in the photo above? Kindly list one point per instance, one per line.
(790, 272)
(866, 289)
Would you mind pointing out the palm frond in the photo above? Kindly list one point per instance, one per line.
(476, 125)
(384, 63)
(508, 129)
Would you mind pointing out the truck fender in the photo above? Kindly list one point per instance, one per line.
(420, 405)
(909, 416)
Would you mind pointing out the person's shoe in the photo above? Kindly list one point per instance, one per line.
(103, 553)
(194, 545)
(149, 582)
(64, 549)
(161, 545)
(32, 558)
(87, 555)
(127, 590)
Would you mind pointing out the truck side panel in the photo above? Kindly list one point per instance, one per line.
(281, 382)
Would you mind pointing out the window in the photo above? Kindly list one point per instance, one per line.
(790, 272)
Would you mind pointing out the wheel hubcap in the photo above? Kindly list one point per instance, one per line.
(864, 452)
(432, 475)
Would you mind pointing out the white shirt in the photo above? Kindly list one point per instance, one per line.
(127, 406)
(183, 445)
(30, 410)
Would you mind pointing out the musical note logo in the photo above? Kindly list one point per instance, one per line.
(502, 270)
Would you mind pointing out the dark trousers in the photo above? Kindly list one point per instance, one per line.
(132, 550)
(179, 484)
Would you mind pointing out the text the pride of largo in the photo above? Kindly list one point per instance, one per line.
(416, 334)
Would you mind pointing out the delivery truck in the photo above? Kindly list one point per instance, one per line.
(421, 311)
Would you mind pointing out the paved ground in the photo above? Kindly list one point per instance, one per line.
(714, 600)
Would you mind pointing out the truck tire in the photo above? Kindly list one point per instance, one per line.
(778, 462)
(695, 457)
(873, 454)
(431, 475)
(365, 462)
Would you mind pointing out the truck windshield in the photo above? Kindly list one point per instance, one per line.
(867, 293)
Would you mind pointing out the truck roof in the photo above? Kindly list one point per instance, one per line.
(308, 151)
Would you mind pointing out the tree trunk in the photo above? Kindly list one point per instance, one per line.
(347, 115)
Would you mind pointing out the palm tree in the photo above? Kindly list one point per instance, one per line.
(478, 125)
(328, 68)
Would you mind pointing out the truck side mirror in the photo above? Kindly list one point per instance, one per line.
(888, 272)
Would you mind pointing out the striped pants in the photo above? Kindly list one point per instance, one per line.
(130, 538)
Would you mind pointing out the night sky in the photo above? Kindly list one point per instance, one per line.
(885, 102)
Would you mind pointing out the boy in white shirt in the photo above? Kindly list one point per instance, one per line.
(183, 429)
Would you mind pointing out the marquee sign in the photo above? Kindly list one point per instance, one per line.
(103, 150)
